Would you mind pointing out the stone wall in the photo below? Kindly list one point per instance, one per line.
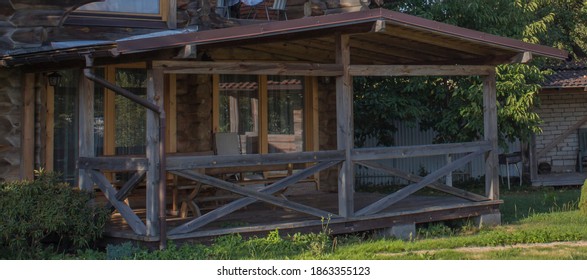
(327, 131)
(194, 113)
(559, 111)
(10, 118)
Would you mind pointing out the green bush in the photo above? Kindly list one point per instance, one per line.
(43, 217)
(583, 199)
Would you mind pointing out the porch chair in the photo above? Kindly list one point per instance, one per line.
(222, 8)
(278, 6)
(582, 152)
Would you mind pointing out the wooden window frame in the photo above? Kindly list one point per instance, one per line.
(165, 19)
(110, 114)
(310, 112)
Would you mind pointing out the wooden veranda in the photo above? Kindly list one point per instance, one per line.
(371, 43)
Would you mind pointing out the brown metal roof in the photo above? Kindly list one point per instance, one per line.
(378, 36)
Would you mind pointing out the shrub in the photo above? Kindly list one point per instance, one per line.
(45, 216)
(583, 199)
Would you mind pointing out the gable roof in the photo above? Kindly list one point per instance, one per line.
(380, 35)
(377, 36)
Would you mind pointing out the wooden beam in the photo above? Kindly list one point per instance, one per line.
(420, 70)
(533, 159)
(418, 150)
(491, 135)
(171, 113)
(248, 192)
(134, 222)
(85, 129)
(114, 163)
(249, 68)
(524, 57)
(155, 94)
(171, 14)
(191, 162)
(128, 187)
(215, 103)
(263, 115)
(415, 178)
(27, 161)
(49, 128)
(242, 202)
(344, 123)
(405, 192)
(110, 114)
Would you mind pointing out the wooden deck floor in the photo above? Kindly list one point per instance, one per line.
(259, 218)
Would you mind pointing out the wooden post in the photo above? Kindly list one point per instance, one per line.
(28, 127)
(490, 134)
(49, 127)
(85, 112)
(172, 14)
(263, 116)
(155, 89)
(345, 133)
(215, 103)
(533, 159)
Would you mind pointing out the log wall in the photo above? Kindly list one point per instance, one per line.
(10, 119)
(194, 113)
(327, 130)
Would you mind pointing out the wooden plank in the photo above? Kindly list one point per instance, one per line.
(247, 192)
(191, 162)
(110, 114)
(561, 137)
(27, 162)
(420, 70)
(242, 202)
(85, 114)
(49, 128)
(443, 212)
(344, 123)
(418, 150)
(126, 212)
(249, 68)
(155, 94)
(114, 163)
(415, 178)
(491, 134)
(171, 113)
(263, 116)
(405, 192)
(215, 103)
(128, 187)
(171, 15)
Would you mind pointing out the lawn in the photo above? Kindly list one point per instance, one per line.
(538, 224)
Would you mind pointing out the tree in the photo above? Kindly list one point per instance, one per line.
(452, 106)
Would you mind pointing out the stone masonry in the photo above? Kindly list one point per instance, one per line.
(559, 111)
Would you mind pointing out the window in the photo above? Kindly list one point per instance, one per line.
(123, 13)
(243, 102)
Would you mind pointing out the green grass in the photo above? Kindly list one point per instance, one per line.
(530, 217)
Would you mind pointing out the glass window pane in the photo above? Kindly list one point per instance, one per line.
(124, 6)
(131, 118)
(239, 103)
(286, 114)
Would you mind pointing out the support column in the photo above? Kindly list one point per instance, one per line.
(155, 94)
(28, 128)
(491, 135)
(344, 123)
(85, 112)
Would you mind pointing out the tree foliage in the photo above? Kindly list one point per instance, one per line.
(453, 106)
